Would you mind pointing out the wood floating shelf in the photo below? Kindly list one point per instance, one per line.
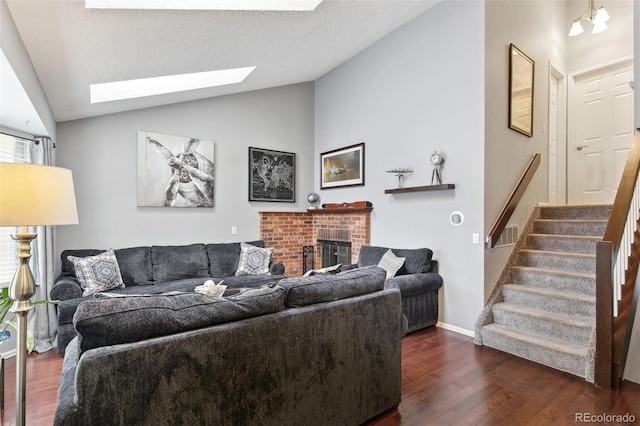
(442, 187)
(321, 210)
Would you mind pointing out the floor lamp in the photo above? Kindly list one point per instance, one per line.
(31, 195)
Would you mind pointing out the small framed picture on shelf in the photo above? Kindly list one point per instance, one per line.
(342, 167)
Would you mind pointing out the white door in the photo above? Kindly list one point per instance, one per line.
(602, 133)
(553, 140)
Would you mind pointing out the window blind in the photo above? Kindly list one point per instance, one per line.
(12, 150)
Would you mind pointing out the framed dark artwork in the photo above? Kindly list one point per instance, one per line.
(342, 167)
(521, 73)
(175, 171)
(272, 175)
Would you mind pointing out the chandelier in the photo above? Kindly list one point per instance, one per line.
(596, 17)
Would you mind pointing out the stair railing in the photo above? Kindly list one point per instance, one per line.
(617, 259)
(512, 202)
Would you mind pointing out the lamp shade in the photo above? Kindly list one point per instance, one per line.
(32, 195)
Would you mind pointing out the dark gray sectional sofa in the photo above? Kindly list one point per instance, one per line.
(417, 280)
(154, 270)
(317, 350)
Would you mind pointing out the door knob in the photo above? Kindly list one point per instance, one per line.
(579, 147)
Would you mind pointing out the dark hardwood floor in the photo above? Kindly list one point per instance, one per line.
(446, 380)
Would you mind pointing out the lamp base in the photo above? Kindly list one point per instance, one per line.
(22, 288)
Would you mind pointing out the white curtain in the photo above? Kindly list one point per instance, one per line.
(42, 320)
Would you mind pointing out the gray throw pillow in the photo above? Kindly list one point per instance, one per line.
(97, 273)
(254, 260)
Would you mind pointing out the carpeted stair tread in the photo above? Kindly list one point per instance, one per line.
(559, 280)
(570, 262)
(563, 356)
(550, 300)
(544, 324)
(602, 212)
(563, 243)
(586, 227)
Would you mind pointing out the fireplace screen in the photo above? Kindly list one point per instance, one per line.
(334, 252)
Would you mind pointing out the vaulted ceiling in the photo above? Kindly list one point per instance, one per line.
(72, 47)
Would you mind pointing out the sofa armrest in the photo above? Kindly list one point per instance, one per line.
(65, 287)
(276, 268)
(413, 284)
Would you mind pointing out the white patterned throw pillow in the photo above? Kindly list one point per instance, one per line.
(391, 263)
(254, 260)
(97, 273)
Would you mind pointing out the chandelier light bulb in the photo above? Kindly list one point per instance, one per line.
(576, 29)
(602, 16)
(595, 17)
(599, 27)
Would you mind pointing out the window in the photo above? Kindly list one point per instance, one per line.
(12, 150)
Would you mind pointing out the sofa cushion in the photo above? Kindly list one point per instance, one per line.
(319, 288)
(416, 260)
(391, 263)
(67, 265)
(254, 260)
(97, 273)
(224, 257)
(112, 320)
(177, 262)
(135, 265)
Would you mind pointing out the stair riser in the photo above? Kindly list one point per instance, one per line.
(562, 244)
(570, 363)
(547, 327)
(576, 212)
(556, 305)
(569, 228)
(567, 284)
(567, 263)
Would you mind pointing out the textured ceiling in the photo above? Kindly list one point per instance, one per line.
(72, 47)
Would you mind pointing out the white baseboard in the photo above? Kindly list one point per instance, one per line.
(455, 329)
(8, 354)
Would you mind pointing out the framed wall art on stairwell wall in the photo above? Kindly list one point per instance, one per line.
(521, 74)
(175, 171)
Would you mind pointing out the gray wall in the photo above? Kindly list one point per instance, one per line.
(102, 153)
(539, 30)
(20, 61)
(418, 90)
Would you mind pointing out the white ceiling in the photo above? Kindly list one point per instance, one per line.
(72, 47)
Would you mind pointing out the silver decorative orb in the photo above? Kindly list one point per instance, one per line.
(435, 159)
(313, 199)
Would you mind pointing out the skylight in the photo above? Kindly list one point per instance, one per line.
(128, 89)
(280, 5)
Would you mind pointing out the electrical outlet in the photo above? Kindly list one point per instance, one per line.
(234, 230)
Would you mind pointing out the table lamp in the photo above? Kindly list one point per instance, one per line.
(31, 195)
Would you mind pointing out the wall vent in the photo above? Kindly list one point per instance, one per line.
(509, 236)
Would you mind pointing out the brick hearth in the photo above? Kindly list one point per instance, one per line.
(289, 232)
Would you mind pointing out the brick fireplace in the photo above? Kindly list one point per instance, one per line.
(289, 232)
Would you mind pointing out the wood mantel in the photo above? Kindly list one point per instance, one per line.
(340, 210)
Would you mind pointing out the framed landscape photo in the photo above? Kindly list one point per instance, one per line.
(272, 175)
(342, 167)
(521, 72)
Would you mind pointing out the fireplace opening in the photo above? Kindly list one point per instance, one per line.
(334, 252)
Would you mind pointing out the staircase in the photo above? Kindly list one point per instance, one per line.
(544, 310)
